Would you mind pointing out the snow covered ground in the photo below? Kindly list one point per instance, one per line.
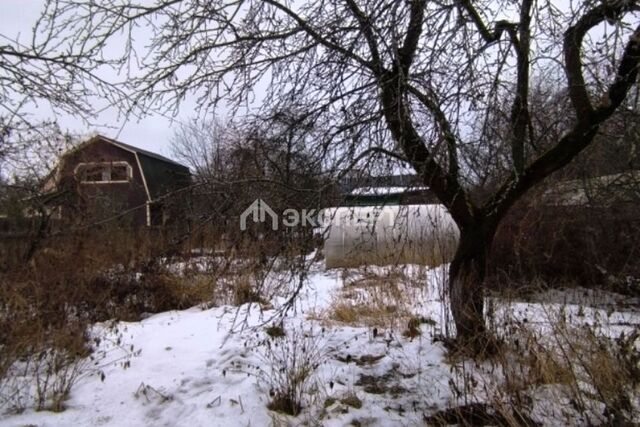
(216, 366)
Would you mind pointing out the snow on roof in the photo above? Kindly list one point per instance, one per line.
(378, 191)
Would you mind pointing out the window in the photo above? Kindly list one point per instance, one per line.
(120, 172)
(103, 172)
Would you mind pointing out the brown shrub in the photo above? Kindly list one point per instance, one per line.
(71, 281)
(589, 246)
(244, 291)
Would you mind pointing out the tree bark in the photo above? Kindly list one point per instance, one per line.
(466, 287)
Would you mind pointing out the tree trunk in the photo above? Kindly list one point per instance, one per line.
(466, 287)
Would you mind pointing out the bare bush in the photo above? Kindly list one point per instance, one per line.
(585, 245)
(71, 281)
(42, 379)
(289, 365)
(551, 370)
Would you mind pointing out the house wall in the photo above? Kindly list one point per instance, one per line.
(96, 201)
(167, 183)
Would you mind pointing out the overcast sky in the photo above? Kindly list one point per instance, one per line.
(152, 133)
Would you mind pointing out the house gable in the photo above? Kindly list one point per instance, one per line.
(160, 175)
(107, 177)
(106, 180)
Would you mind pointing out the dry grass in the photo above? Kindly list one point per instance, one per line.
(168, 291)
(245, 290)
(275, 331)
(351, 399)
(376, 299)
(71, 281)
(413, 328)
(571, 374)
(370, 314)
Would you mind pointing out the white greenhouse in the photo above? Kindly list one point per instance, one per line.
(395, 234)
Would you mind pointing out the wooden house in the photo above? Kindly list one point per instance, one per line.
(106, 181)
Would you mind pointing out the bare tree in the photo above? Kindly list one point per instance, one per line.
(46, 72)
(33, 152)
(414, 80)
(203, 144)
(267, 157)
